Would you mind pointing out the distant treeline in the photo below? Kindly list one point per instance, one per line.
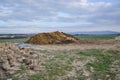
(12, 36)
(94, 34)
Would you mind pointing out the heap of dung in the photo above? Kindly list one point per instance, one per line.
(52, 38)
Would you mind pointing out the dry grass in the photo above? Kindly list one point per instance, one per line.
(86, 64)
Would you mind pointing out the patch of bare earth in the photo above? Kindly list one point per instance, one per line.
(89, 44)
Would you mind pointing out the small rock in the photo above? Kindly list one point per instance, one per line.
(91, 69)
(6, 65)
(27, 61)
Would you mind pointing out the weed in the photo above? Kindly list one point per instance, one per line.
(87, 37)
(22, 70)
(102, 65)
(60, 64)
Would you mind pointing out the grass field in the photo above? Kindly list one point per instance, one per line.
(96, 36)
(82, 37)
(15, 40)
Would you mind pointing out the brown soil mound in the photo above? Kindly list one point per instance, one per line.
(52, 38)
(18, 61)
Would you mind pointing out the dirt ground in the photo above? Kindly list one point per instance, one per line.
(86, 60)
(89, 44)
(89, 60)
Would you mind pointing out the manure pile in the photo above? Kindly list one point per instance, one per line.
(52, 38)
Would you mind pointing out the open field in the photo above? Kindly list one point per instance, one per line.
(91, 59)
(15, 40)
(84, 37)
(84, 61)
(81, 37)
(78, 62)
(89, 64)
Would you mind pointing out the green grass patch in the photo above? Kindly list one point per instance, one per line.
(87, 37)
(15, 40)
(15, 78)
(38, 76)
(90, 52)
(55, 66)
(59, 64)
(102, 65)
(103, 75)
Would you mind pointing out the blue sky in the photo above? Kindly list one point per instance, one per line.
(34, 16)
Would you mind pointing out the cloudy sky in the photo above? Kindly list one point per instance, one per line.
(33, 16)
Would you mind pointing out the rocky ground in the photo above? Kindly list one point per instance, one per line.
(14, 60)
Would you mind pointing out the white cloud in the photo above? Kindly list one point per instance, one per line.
(78, 3)
(84, 4)
(56, 13)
